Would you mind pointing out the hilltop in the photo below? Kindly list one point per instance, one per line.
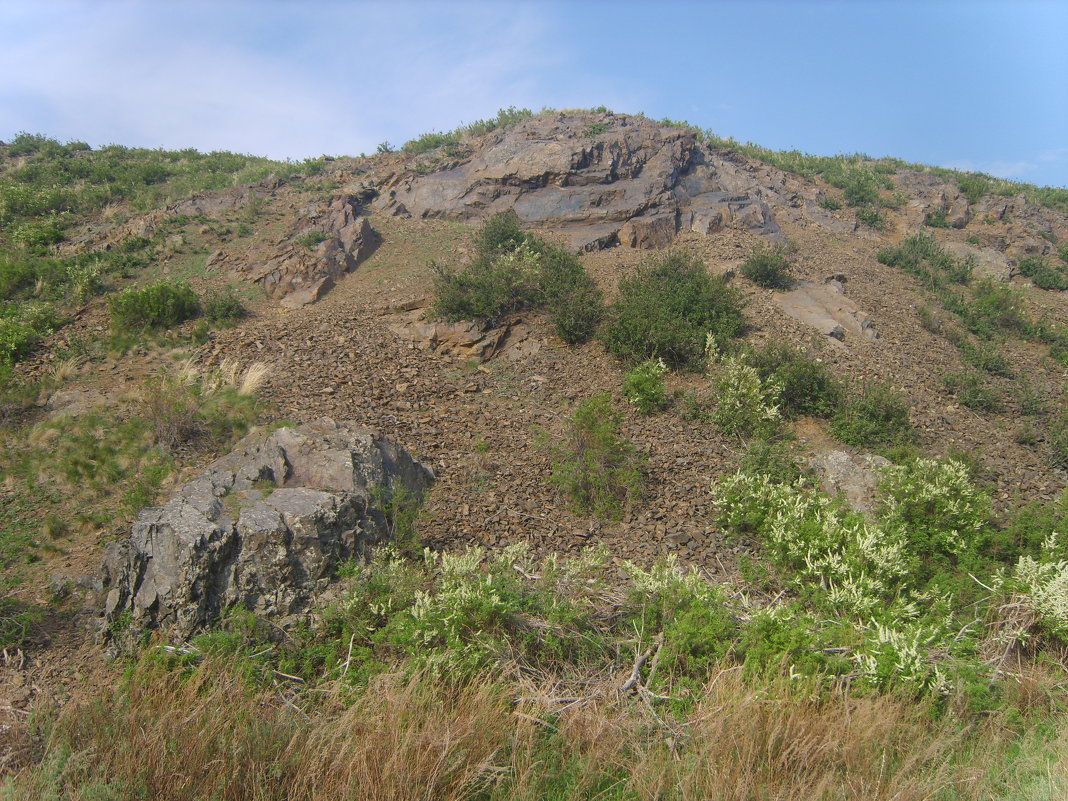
(921, 310)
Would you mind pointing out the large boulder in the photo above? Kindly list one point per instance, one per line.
(263, 527)
(599, 181)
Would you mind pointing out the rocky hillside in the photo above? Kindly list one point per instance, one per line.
(946, 288)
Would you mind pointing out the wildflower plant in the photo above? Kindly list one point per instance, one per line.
(745, 405)
(643, 386)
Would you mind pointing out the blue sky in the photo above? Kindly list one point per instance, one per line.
(960, 83)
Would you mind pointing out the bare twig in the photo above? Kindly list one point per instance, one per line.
(636, 671)
(282, 675)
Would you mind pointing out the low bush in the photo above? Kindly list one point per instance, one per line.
(830, 203)
(311, 239)
(995, 308)
(876, 418)
(769, 266)
(22, 326)
(600, 471)
(860, 184)
(746, 406)
(971, 390)
(163, 304)
(1058, 443)
(806, 386)
(224, 306)
(871, 216)
(643, 386)
(985, 356)
(666, 310)
(1043, 273)
(974, 185)
(936, 219)
(513, 270)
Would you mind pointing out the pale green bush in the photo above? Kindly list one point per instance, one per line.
(856, 563)
(745, 405)
(903, 657)
(1044, 585)
(643, 386)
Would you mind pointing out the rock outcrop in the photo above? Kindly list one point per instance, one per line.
(618, 180)
(300, 271)
(853, 478)
(825, 307)
(263, 527)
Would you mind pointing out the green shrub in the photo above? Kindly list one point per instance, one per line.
(769, 267)
(986, 357)
(1044, 274)
(871, 217)
(974, 186)
(224, 306)
(573, 299)
(745, 405)
(972, 391)
(643, 386)
(860, 185)
(936, 219)
(513, 270)
(22, 326)
(490, 288)
(995, 307)
(1058, 443)
(830, 203)
(598, 469)
(160, 305)
(576, 314)
(667, 308)
(878, 417)
(806, 386)
(431, 140)
(311, 239)
(37, 235)
(501, 233)
(771, 457)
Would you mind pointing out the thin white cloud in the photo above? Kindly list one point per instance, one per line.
(116, 72)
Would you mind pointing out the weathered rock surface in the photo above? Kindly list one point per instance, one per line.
(300, 275)
(468, 339)
(855, 478)
(988, 261)
(263, 527)
(621, 180)
(825, 307)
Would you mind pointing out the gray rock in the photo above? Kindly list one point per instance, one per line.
(825, 307)
(959, 213)
(988, 261)
(634, 183)
(855, 478)
(263, 527)
(300, 276)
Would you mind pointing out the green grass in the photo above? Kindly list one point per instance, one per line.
(433, 140)
(1045, 273)
(163, 304)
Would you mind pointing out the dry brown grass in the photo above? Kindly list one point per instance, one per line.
(171, 736)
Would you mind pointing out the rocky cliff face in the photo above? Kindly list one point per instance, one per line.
(619, 180)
